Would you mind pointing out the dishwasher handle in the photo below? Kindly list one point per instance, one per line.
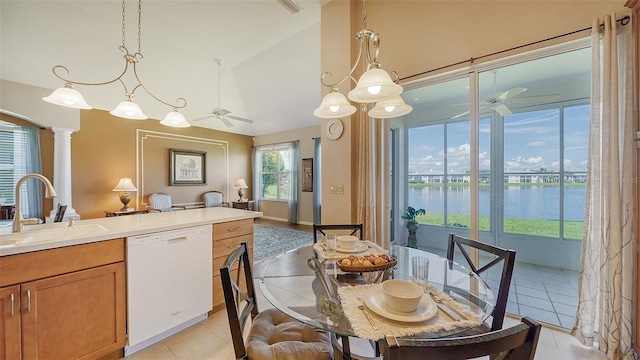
(176, 240)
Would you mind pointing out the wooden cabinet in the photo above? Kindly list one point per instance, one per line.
(71, 305)
(225, 237)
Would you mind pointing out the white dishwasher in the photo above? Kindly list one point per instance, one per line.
(169, 283)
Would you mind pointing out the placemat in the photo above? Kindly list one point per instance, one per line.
(361, 327)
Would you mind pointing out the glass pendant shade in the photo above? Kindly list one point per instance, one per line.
(390, 108)
(334, 105)
(374, 85)
(128, 110)
(69, 97)
(175, 119)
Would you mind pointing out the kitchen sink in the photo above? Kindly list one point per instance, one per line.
(52, 234)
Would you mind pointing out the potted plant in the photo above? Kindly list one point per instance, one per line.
(412, 225)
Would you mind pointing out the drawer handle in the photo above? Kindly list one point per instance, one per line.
(12, 301)
(28, 301)
(236, 229)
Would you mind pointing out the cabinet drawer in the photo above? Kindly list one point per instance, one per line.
(222, 248)
(219, 261)
(232, 228)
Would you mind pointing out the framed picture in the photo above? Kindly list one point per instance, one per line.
(307, 174)
(187, 167)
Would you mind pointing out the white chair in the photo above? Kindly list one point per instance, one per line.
(213, 198)
(162, 202)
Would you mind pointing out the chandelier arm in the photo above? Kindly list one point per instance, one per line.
(176, 106)
(396, 76)
(119, 77)
(349, 75)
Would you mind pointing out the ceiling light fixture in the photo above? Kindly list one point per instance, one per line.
(374, 86)
(69, 97)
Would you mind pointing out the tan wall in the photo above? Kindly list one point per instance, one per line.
(417, 36)
(107, 148)
(46, 152)
(277, 210)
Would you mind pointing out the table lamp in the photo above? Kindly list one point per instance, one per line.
(125, 186)
(240, 185)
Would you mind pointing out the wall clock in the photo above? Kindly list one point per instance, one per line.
(334, 129)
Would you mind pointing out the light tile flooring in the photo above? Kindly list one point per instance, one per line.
(211, 339)
(544, 293)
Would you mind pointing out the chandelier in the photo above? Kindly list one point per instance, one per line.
(69, 97)
(374, 86)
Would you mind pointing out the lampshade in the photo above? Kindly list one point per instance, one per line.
(390, 108)
(240, 184)
(69, 97)
(128, 110)
(374, 85)
(175, 119)
(334, 105)
(125, 184)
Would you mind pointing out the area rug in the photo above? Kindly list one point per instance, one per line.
(269, 241)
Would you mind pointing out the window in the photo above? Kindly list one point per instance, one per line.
(532, 149)
(20, 155)
(276, 173)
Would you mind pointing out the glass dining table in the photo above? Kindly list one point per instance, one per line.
(304, 286)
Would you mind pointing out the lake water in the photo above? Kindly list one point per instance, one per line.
(530, 202)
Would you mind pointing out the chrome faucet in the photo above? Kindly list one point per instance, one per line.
(50, 192)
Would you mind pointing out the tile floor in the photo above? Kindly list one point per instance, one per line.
(211, 339)
(544, 293)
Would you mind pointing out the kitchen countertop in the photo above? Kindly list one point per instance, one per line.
(49, 236)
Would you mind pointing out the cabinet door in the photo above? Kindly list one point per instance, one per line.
(80, 315)
(10, 322)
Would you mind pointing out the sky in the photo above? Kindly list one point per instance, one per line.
(531, 142)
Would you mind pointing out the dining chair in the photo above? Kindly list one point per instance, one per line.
(489, 256)
(214, 198)
(515, 343)
(272, 335)
(353, 228)
(162, 202)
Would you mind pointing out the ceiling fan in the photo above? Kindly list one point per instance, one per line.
(220, 113)
(498, 101)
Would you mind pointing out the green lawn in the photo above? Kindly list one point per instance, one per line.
(551, 228)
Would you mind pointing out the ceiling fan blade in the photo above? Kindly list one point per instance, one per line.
(226, 121)
(461, 115)
(503, 110)
(511, 93)
(536, 99)
(202, 118)
(240, 119)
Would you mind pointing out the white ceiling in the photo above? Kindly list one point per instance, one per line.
(271, 58)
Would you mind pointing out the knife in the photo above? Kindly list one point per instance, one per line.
(443, 308)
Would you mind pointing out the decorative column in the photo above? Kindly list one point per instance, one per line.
(62, 172)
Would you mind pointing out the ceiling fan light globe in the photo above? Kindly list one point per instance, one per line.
(128, 110)
(374, 85)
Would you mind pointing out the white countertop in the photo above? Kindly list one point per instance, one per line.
(49, 236)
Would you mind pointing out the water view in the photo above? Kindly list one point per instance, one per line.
(524, 207)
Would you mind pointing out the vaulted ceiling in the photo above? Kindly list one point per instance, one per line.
(271, 57)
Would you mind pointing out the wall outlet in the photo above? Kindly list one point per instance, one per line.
(336, 189)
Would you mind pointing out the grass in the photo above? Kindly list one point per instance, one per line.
(535, 227)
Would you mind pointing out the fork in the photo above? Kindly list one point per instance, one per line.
(361, 306)
(450, 312)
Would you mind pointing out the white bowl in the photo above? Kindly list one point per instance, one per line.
(402, 295)
(347, 241)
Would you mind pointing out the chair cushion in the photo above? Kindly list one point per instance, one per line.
(275, 335)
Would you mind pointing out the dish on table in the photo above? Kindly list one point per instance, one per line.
(426, 308)
(373, 263)
(360, 246)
